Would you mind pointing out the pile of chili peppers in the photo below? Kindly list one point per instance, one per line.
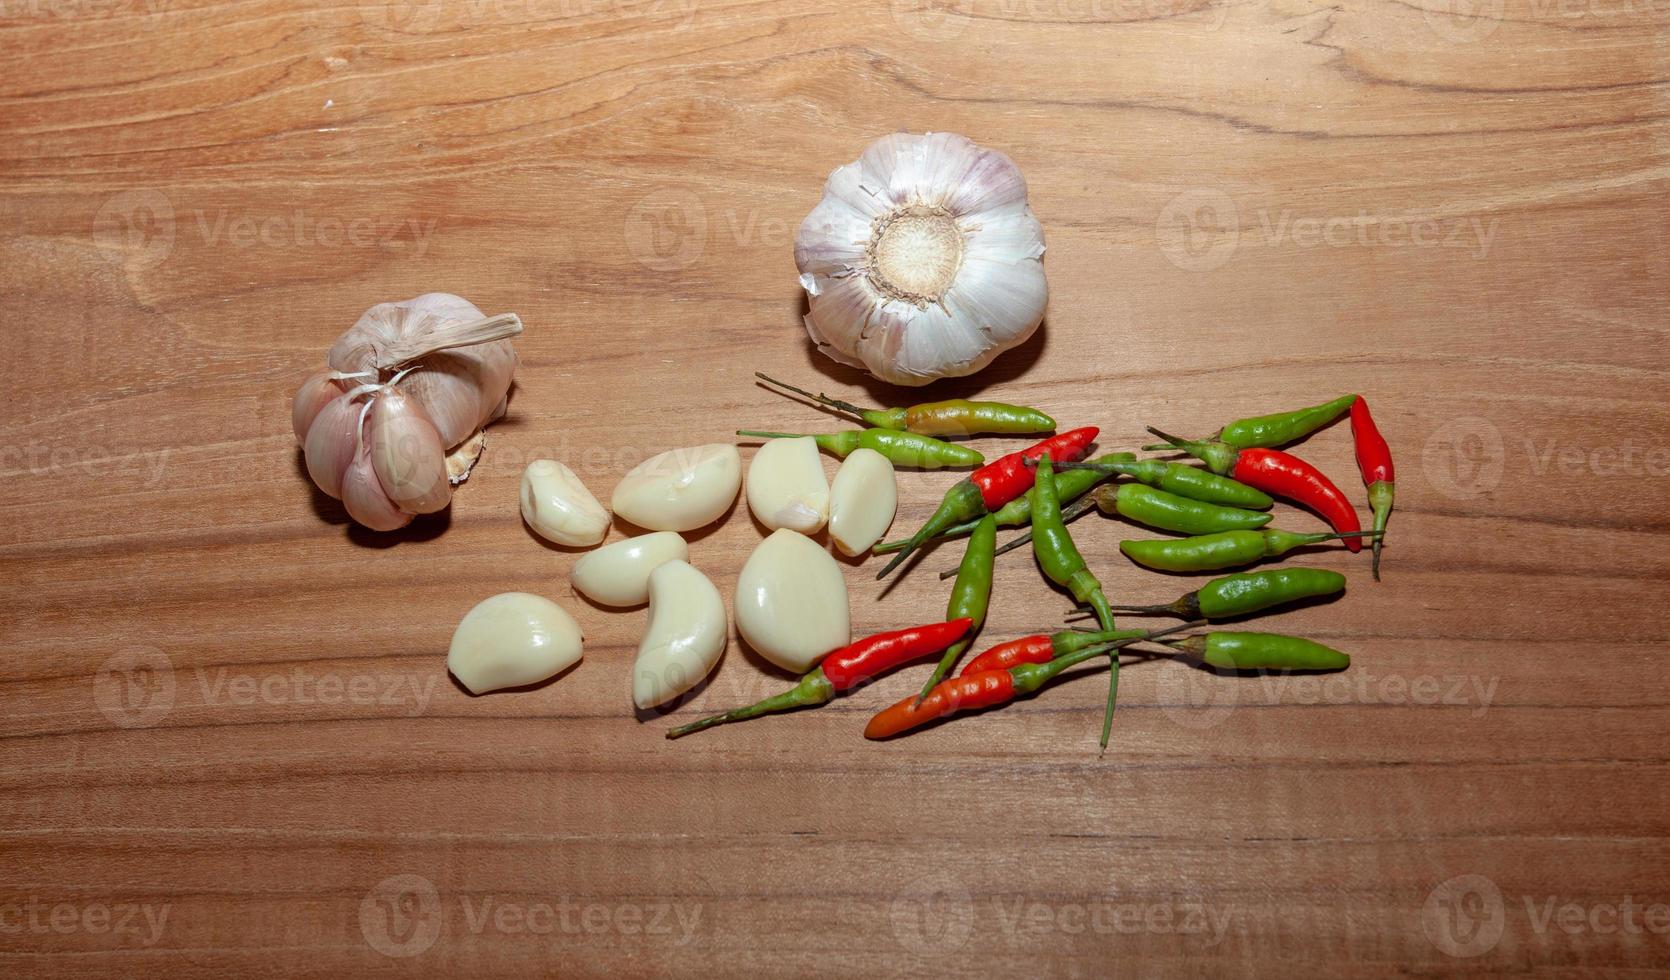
(1219, 509)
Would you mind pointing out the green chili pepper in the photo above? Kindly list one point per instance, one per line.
(954, 417)
(1261, 651)
(970, 595)
(902, 448)
(1169, 512)
(1069, 485)
(1059, 557)
(1185, 481)
(1155, 508)
(1224, 550)
(1266, 431)
(1248, 592)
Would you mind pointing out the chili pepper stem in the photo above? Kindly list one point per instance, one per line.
(767, 435)
(821, 399)
(814, 688)
(1070, 513)
(1380, 500)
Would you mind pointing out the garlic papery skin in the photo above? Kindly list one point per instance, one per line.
(786, 486)
(618, 574)
(791, 602)
(680, 489)
(862, 501)
(923, 259)
(512, 639)
(409, 388)
(558, 506)
(685, 636)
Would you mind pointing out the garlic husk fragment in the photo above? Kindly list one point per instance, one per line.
(923, 260)
(786, 486)
(791, 602)
(396, 417)
(862, 501)
(685, 636)
(511, 639)
(558, 506)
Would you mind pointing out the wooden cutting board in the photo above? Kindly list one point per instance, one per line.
(229, 745)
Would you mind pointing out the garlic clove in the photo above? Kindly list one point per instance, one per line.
(363, 496)
(862, 501)
(681, 489)
(406, 453)
(311, 398)
(512, 639)
(685, 636)
(786, 485)
(791, 602)
(618, 574)
(332, 441)
(559, 507)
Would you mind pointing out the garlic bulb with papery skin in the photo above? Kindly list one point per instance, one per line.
(923, 259)
(396, 418)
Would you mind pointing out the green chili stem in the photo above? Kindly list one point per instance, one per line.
(820, 398)
(771, 435)
(1069, 513)
(812, 689)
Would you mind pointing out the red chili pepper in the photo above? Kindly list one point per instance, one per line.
(963, 692)
(983, 689)
(1374, 459)
(873, 656)
(1274, 471)
(1002, 480)
(993, 485)
(1041, 649)
(845, 669)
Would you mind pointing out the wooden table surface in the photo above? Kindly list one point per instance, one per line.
(229, 745)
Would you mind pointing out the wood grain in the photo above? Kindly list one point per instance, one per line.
(229, 745)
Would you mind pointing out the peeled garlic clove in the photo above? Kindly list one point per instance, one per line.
(512, 639)
(684, 638)
(791, 602)
(618, 575)
(862, 501)
(786, 485)
(363, 496)
(559, 507)
(332, 441)
(681, 489)
(407, 454)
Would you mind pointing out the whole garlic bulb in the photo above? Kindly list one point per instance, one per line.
(396, 418)
(923, 259)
